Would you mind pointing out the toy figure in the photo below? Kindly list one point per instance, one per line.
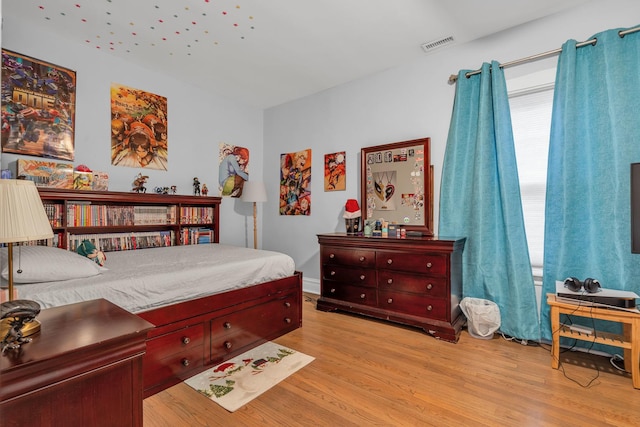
(174, 189)
(196, 186)
(138, 183)
(88, 249)
(205, 190)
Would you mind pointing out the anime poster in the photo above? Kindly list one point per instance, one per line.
(335, 174)
(138, 128)
(38, 107)
(295, 183)
(233, 170)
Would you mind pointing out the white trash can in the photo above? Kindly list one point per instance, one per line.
(483, 317)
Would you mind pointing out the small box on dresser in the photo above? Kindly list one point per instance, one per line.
(415, 281)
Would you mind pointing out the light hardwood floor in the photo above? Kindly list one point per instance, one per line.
(372, 373)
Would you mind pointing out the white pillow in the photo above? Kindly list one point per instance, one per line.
(46, 264)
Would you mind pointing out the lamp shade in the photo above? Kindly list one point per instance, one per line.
(22, 215)
(254, 191)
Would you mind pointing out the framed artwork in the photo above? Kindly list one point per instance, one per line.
(295, 183)
(138, 128)
(233, 169)
(38, 107)
(335, 173)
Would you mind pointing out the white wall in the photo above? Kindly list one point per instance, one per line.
(403, 103)
(197, 123)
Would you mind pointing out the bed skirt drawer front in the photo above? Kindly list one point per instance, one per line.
(234, 333)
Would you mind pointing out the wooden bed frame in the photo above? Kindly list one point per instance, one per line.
(191, 336)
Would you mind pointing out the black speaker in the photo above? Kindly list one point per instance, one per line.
(590, 286)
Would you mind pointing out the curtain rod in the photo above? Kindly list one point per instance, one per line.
(454, 77)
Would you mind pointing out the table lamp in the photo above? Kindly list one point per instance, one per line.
(254, 191)
(22, 219)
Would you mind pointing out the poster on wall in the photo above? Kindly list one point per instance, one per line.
(335, 173)
(38, 107)
(233, 169)
(295, 183)
(138, 128)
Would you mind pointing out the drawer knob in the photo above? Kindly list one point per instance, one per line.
(333, 290)
(227, 345)
(429, 265)
(287, 304)
(362, 296)
(390, 300)
(185, 362)
(186, 340)
(287, 320)
(429, 307)
(362, 259)
(389, 261)
(429, 286)
(227, 325)
(332, 256)
(333, 273)
(362, 277)
(389, 281)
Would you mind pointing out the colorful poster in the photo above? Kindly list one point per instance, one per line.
(38, 107)
(138, 128)
(46, 174)
(233, 169)
(335, 174)
(295, 183)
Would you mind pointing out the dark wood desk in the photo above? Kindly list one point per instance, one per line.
(84, 368)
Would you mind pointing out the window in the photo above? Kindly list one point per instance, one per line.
(531, 119)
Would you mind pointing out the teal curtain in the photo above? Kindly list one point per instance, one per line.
(480, 199)
(595, 136)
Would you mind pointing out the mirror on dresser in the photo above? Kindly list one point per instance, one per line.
(397, 184)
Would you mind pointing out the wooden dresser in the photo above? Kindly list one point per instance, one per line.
(84, 368)
(415, 281)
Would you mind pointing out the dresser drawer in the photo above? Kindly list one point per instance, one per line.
(432, 264)
(350, 275)
(349, 293)
(415, 305)
(390, 280)
(178, 365)
(240, 329)
(352, 257)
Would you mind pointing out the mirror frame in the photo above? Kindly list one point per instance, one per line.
(427, 174)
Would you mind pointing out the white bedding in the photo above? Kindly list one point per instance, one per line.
(145, 279)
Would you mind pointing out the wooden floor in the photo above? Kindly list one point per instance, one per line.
(371, 373)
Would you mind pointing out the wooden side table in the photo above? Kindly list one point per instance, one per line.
(629, 340)
(84, 368)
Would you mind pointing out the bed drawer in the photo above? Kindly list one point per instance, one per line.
(179, 365)
(232, 333)
(176, 342)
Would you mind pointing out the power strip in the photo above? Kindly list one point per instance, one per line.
(581, 329)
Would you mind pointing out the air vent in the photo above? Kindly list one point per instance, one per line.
(431, 46)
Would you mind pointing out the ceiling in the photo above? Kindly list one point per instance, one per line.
(267, 52)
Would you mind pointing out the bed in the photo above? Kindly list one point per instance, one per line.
(208, 302)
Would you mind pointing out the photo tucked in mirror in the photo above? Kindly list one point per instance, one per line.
(397, 184)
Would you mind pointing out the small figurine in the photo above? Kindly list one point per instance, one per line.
(205, 190)
(138, 183)
(174, 189)
(88, 249)
(196, 186)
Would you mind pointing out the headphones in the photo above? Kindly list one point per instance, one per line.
(591, 286)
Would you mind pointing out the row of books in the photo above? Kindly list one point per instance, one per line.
(196, 215)
(54, 213)
(196, 236)
(85, 215)
(111, 242)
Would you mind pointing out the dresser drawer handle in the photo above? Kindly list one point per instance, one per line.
(227, 345)
(429, 286)
(389, 281)
(390, 300)
(362, 277)
(332, 256)
(429, 307)
(333, 290)
(186, 340)
(227, 325)
(333, 273)
(287, 320)
(429, 265)
(389, 261)
(287, 304)
(362, 259)
(185, 362)
(362, 296)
